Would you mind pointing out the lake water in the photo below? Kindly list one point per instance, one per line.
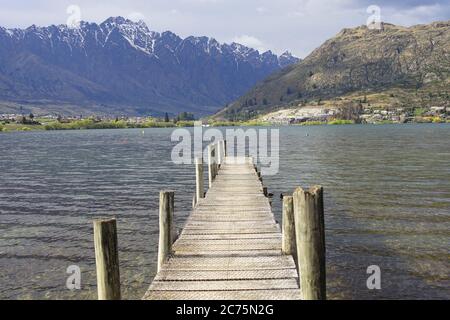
(387, 203)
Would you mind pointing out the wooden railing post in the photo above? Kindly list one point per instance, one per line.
(310, 242)
(220, 153)
(166, 232)
(211, 164)
(216, 159)
(199, 189)
(288, 244)
(107, 259)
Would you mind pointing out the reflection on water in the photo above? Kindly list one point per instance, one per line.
(387, 203)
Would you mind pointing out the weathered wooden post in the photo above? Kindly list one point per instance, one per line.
(199, 189)
(288, 244)
(219, 153)
(166, 227)
(210, 164)
(216, 159)
(265, 191)
(225, 153)
(107, 259)
(194, 201)
(310, 242)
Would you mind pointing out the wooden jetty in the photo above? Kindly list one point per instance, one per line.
(231, 247)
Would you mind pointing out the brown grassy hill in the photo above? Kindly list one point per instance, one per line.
(359, 61)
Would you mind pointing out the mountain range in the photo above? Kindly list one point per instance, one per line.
(397, 67)
(122, 67)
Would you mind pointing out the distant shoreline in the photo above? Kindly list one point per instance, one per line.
(14, 127)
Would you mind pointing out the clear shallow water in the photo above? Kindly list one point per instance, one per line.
(387, 203)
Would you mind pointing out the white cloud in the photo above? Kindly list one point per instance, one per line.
(136, 16)
(251, 42)
(261, 10)
(416, 15)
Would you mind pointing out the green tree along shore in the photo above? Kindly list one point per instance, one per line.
(87, 124)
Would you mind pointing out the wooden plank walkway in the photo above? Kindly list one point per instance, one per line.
(230, 247)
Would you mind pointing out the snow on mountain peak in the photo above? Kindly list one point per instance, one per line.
(287, 59)
(137, 34)
(287, 54)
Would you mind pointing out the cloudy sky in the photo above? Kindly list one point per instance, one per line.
(295, 25)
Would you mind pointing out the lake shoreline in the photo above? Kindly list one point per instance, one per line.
(5, 128)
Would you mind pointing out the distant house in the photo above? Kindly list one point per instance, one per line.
(438, 110)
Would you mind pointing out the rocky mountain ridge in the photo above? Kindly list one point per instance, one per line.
(121, 66)
(358, 62)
